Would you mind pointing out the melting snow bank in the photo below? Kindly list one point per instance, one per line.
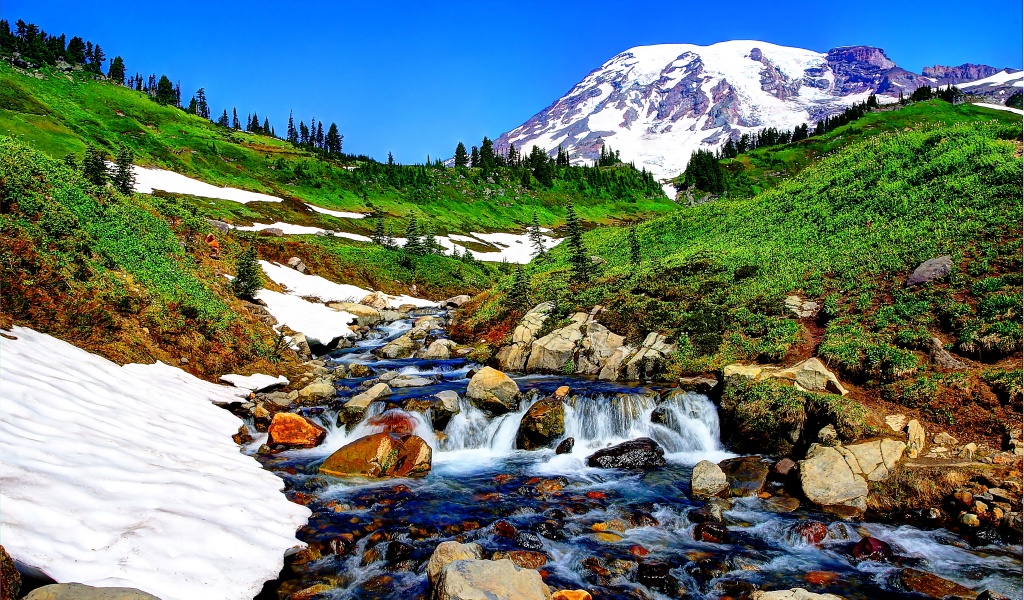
(127, 476)
(300, 284)
(148, 180)
(1000, 107)
(318, 322)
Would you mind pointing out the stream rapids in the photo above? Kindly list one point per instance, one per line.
(372, 538)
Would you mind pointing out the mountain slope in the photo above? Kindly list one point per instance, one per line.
(658, 104)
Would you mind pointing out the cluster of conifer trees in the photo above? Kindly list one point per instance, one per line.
(36, 46)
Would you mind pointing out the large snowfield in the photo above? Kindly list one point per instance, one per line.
(128, 476)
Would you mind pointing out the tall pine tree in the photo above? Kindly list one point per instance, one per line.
(579, 260)
(537, 238)
(461, 157)
(124, 173)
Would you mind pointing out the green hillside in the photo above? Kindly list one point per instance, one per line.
(846, 231)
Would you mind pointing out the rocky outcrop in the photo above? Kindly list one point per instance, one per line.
(707, 480)
(641, 453)
(10, 579)
(438, 350)
(490, 580)
(649, 358)
(542, 424)
(746, 475)
(318, 391)
(401, 347)
(930, 270)
(380, 455)
(915, 438)
(456, 301)
(801, 307)
(792, 594)
(447, 552)
(78, 591)
(959, 74)
(377, 300)
(294, 431)
(514, 356)
(493, 391)
(598, 346)
(809, 375)
(553, 352)
(366, 316)
(827, 479)
(943, 359)
(873, 460)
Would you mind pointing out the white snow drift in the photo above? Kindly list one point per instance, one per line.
(314, 286)
(256, 382)
(148, 180)
(127, 476)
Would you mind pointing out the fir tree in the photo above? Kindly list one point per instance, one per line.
(266, 126)
(391, 160)
(333, 140)
(380, 234)
(234, 119)
(320, 135)
(520, 292)
(293, 134)
(124, 173)
(487, 155)
(474, 157)
(76, 51)
(248, 274)
(165, 91)
(537, 238)
(413, 242)
(93, 167)
(461, 157)
(579, 260)
(223, 120)
(635, 254)
(70, 161)
(202, 107)
(116, 71)
(704, 172)
(430, 245)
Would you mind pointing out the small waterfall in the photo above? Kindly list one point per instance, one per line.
(472, 429)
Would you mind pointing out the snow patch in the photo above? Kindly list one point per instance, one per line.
(338, 213)
(256, 382)
(127, 476)
(147, 180)
(1014, 78)
(1000, 107)
(315, 320)
(314, 286)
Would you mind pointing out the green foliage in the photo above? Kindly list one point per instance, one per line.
(248, 274)
(124, 174)
(1016, 100)
(579, 258)
(766, 416)
(93, 166)
(704, 172)
(635, 254)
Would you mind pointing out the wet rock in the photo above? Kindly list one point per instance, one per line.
(821, 577)
(380, 455)
(781, 504)
(447, 552)
(77, 591)
(930, 270)
(701, 385)
(524, 559)
(931, 585)
(551, 529)
(514, 356)
(715, 533)
(571, 595)
(294, 431)
(811, 532)
(565, 446)
(915, 438)
(793, 594)
(641, 453)
(656, 576)
(366, 316)
(490, 579)
(505, 529)
(970, 520)
(827, 479)
(355, 409)
(707, 480)
(438, 350)
(401, 347)
(542, 424)
(704, 570)
(493, 391)
(358, 371)
(529, 540)
(395, 422)
(746, 475)
(870, 548)
(409, 381)
(10, 579)
(783, 468)
(991, 595)
(318, 391)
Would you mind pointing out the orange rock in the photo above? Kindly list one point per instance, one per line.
(571, 595)
(608, 537)
(597, 495)
(616, 525)
(549, 485)
(639, 551)
(503, 478)
(380, 455)
(559, 394)
(524, 559)
(820, 577)
(295, 431)
(394, 422)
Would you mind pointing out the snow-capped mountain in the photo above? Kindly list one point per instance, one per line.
(996, 88)
(656, 105)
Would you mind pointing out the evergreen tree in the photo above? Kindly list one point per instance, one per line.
(520, 292)
(380, 234)
(93, 166)
(223, 120)
(413, 242)
(96, 60)
(391, 160)
(165, 91)
(293, 134)
(70, 161)
(75, 53)
(202, 107)
(248, 274)
(124, 173)
(579, 260)
(191, 106)
(461, 157)
(234, 119)
(537, 238)
(474, 158)
(486, 155)
(430, 245)
(116, 71)
(266, 126)
(635, 254)
(704, 172)
(333, 140)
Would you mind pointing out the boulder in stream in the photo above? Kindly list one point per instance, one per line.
(490, 580)
(380, 455)
(294, 431)
(746, 475)
(707, 480)
(932, 586)
(493, 391)
(793, 594)
(542, 424)
(641, 453)
(447, 552)
(828, 480)
(355, 409)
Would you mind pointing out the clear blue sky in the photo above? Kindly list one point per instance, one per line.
(416, 77)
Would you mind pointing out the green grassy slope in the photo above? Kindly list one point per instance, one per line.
(846, 231)
(60, 113)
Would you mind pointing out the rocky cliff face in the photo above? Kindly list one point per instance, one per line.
(656, 105)
(954, 75)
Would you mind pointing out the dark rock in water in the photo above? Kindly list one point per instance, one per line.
(783, 468)
(641, 453)
(641, 518)
(529, 540)
(932, 586)
(811, 532)
(706, 570)
(542, 424)
(870, 548)
(565, 446)
(505, 529)
(747, 475)
(656, 576)
(523, 559)
(929, 270)
(397, 551)
(712, 532)
(530, 491)
(990, 595)
(10, 579)
(553, 530)
(985, 536)
(704, 514)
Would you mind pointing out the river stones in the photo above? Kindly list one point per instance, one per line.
(565, 446)
(641, 453)
(542, 424)
(707, 480)
(78, 591)
(490, 580)
(869, 548)
(10, 579)
(712, 532)
(571, 595)
(447, 552)
(492, 391)
(355, 408)
(525, 559)
(317, 391)
(438, 350)
(294, 431)
(401, 347)
(380, 455)
(793, 594)
(366, 316)
(932, 586)
(810, 532)
(746, 475)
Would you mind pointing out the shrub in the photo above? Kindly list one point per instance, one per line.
(248, 274)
